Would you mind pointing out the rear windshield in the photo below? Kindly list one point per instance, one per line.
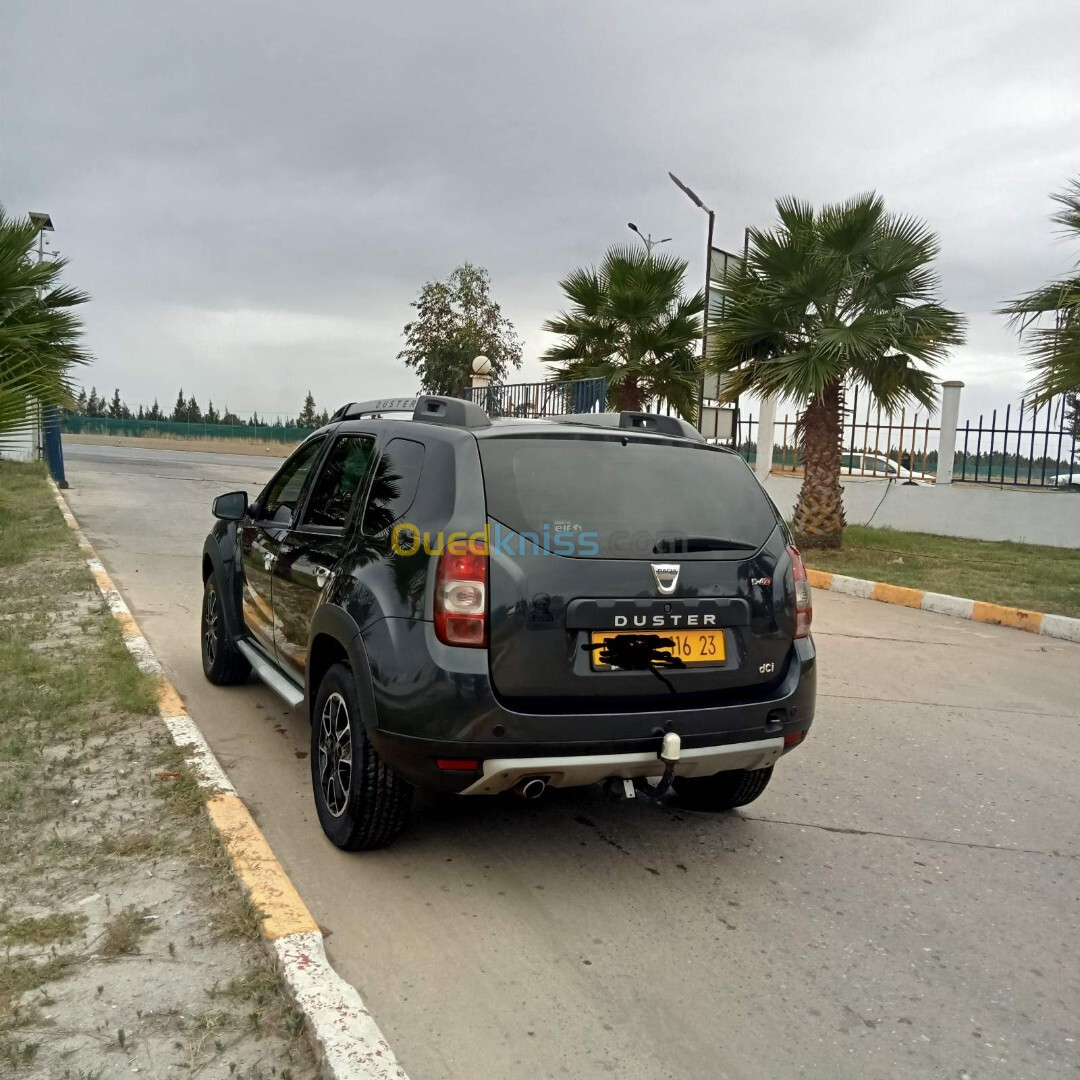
(598, 496)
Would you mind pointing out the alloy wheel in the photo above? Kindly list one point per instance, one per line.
(335, 755)
(211, 619)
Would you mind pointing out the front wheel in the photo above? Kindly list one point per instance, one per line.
(362, 803)
(223, 664)
(724, 790)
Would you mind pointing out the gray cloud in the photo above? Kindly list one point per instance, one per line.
(254, 192)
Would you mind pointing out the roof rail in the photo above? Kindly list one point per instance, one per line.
(638, 421)
(454, 412)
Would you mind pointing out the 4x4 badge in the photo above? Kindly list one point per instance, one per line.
(666, 576)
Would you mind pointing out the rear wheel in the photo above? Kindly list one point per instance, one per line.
(222, 662)
(362, 803)
(724, 790)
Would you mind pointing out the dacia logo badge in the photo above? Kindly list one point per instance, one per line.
(666, 576)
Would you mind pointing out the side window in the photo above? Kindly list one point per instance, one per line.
(847, 461)
(341, 477)
(279, 503)
(393, 488)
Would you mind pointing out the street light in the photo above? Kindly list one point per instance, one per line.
(648, 241)
(44, 224)
(708, 277)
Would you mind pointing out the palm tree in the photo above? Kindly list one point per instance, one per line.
(829, 299)
(630, 323)
(40, 335)
(1054, 351)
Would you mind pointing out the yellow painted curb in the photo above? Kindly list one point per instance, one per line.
(255, 864)
(819, 579)
(898, 594)
(1008, 616)
(267, 884)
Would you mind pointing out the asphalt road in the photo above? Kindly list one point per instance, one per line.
(901, 902)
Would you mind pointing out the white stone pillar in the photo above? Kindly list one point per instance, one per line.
(765, 438)
(950, 413)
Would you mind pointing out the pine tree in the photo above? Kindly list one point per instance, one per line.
(80, 401)
(179, 413)
(194, 413)
(155, 412)
(254, 421)
(308, 416)
(229, 417)
(140, 415)
(116, 406)
(211, 416)
(323, 419)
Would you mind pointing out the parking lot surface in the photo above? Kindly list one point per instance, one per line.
(902, 901)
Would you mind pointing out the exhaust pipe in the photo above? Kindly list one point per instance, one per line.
(531, 787)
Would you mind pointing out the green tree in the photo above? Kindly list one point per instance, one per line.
(154, 412)
(631, 323)
(829, 299)
(308, 417)
(116, 406)
(180, 409)
(95, 406)
(81, 401)
(211, 416)
(40, 332)
(456, 321)
(1048, 319)
(194, 413)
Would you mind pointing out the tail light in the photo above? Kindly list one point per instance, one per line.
(804, 605)
(461, 596)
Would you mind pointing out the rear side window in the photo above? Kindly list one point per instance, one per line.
(394, 485)
(625, 500)
(341, 476)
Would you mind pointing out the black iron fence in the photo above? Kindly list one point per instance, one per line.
(534, 400)
(1031, 446)
(1024, 446)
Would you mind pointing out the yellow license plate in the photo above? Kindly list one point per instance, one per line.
(690, 646)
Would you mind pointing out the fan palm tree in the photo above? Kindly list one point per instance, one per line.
(40, 334)
(630, 323)
(829, 299)
(1054, 351)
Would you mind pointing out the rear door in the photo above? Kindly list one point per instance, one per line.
(672, 541)
(309, 553)
(261, 537)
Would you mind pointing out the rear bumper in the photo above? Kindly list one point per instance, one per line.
(501, 774)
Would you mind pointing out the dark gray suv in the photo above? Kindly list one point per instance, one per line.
(477, 606)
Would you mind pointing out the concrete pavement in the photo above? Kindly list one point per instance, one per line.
(900, 903)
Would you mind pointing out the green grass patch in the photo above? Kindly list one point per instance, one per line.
(30, 522)
(62, 926)
(1017, 575)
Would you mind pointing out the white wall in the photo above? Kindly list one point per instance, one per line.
(21, 445)
(977, 512)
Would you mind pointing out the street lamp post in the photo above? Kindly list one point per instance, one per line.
(648, 241)
(708, 278)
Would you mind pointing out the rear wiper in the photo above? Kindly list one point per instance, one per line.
(670, 544)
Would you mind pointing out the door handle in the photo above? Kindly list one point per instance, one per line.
(321, 576)
(269, 558)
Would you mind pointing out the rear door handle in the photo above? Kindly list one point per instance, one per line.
(321, 576)
(269, 558)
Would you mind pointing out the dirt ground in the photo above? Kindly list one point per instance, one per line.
(207, 446)
(126, 945)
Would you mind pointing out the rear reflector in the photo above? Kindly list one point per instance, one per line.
(793, 738)
(461, 596)
(457, 764)
(804, 605)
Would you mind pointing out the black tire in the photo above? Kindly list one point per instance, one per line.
(362, 803)
(724, 790)
(222, 663)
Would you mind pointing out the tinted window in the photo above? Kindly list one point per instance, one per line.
(394, 485)
(279, 503)
(629, 497)
(341, 476)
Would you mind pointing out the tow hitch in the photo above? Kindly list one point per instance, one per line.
(616, 787)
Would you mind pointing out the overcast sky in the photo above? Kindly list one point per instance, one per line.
(253, 193)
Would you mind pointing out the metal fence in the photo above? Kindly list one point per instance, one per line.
(76, 424)
(1030, 446)
(534, 400)
(1025, 446)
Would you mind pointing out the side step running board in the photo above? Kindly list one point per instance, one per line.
(284, 688)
